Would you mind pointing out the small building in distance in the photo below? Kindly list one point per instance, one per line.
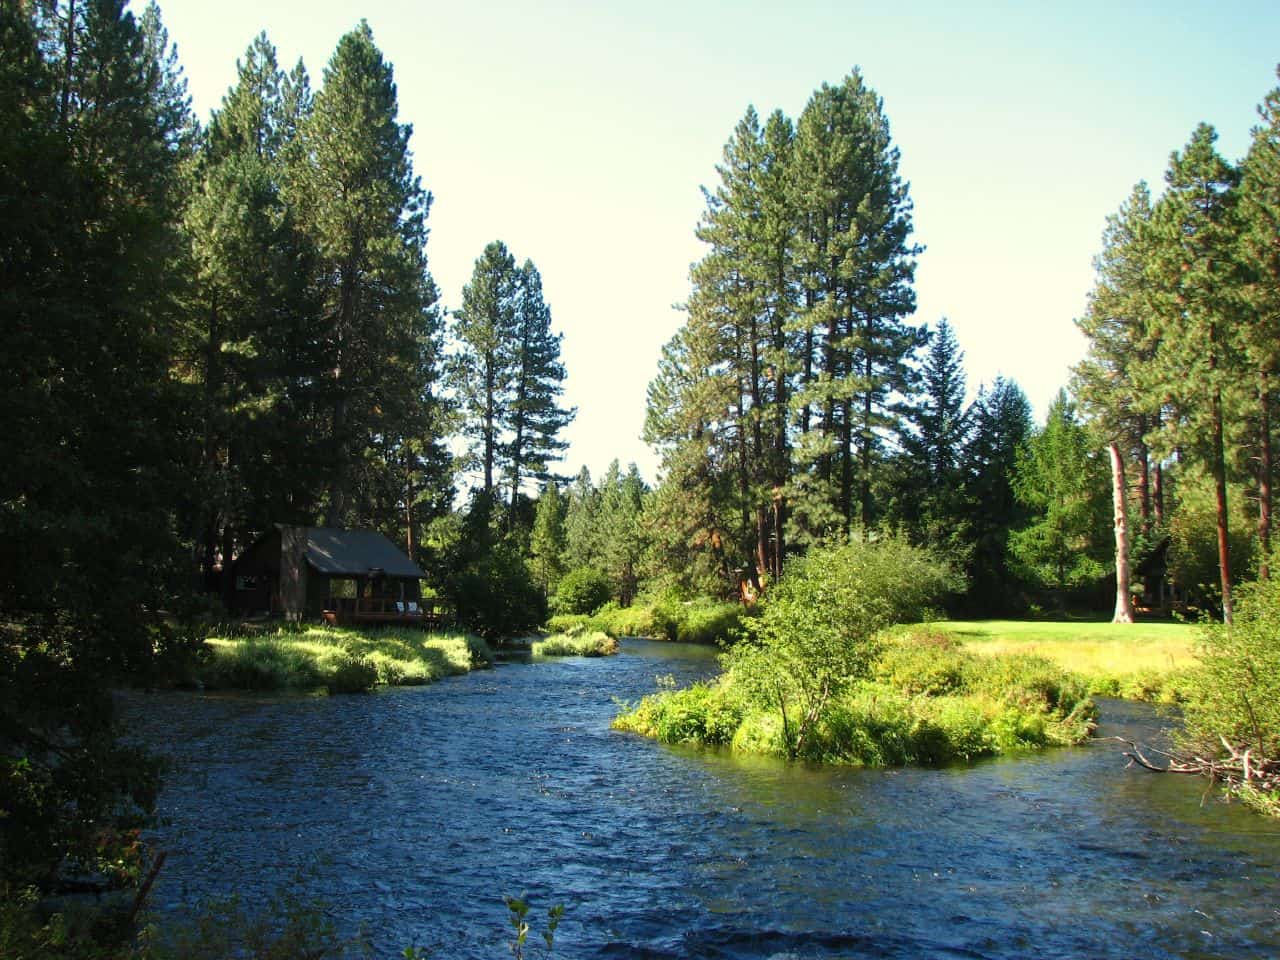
(332, 574)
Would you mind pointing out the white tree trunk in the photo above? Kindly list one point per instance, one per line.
(1124, 601)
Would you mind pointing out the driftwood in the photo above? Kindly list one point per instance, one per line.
(1239, 768)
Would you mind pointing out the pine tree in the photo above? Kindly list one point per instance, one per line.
(1061, 478)
(1260, 253)
(1120, 327)
(583, 547)
(548, 541)
(481, 372)
(363, 209)
(928, 492)
(1193, 269)
(856, 265)
(534, 417)
(1001, 422)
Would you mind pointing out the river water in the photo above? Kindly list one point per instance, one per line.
(413, 810)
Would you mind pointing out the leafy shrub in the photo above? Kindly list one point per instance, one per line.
(708, 623)
(583, 590)
(820, 626)
(703, 713)
(1235, 692)
(496, 596)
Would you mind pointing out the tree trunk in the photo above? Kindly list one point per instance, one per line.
(1144, 486)
(1264, 476)
(1220, 497)
(1124, 600)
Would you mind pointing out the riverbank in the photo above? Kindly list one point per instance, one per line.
(336, 659)
(925, 701)
(1140, 661)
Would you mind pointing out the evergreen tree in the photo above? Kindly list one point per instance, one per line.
(929, 488)
(1001, 419)
(1121, 329)
(361, 206)
(96, 130)
(1193, 270)
(583, 546)
(534, 417)
(856, 265)
(1260, 253)
(481, 372)
(548, 541)
(1062, 480)
(622, 543)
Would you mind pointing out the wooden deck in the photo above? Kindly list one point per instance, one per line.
(426, 614)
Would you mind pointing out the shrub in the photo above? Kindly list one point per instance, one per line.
(496, 597)
(564, 622)
(820, 625)
(1235, 692)
(582, 590)
(925, 664)
(703, 713)
(708, 623)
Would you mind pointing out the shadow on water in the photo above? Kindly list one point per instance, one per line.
(413, 810)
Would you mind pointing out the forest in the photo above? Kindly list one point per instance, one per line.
(212, 327)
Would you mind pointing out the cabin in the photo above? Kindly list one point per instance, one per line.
(331, 574)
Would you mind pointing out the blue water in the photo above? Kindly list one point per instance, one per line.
(410, 812)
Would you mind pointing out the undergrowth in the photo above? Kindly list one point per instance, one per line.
(926, 701)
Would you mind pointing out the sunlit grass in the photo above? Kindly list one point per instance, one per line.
(592, 644)
(339, 658)
(1141, 661)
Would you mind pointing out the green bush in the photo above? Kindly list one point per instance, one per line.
(496, 597)
(819, 630)
(582, 590)
(703, 713)
(1235, 692)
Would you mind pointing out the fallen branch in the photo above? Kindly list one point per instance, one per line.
(1240, 768)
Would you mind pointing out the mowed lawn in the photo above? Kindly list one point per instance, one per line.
(1107, 653)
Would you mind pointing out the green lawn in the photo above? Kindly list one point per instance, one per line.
(1140, 660)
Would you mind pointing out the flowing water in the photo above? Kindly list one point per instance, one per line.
(412, 811)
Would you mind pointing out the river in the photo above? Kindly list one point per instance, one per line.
(412, 811)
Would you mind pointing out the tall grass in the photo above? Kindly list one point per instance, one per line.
(339, 659)
(695, 621)
(1141, 661)
(576, 644)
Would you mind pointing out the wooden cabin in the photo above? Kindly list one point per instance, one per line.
(331, 574)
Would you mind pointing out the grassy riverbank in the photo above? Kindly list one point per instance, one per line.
(694, 621)
(337, 659)
(1140, 661)
(926, 701)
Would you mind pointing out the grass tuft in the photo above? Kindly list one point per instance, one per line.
(339, 659)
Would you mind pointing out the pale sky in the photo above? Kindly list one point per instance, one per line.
(579, 134)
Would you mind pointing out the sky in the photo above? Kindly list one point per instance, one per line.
(580, 134)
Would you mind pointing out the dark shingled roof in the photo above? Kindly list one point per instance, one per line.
(350, 553)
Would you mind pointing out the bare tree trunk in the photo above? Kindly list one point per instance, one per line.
(1264, 476)
(1220, 497)
(1119, 495)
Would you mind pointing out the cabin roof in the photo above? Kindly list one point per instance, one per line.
(355, 553)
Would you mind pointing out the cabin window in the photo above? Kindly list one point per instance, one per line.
(341, 589)
(246, 583)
